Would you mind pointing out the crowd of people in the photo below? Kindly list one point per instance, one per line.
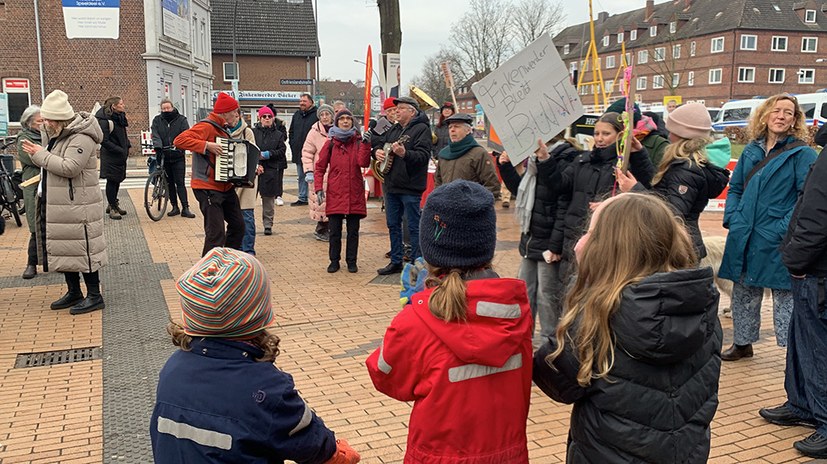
(610, 269)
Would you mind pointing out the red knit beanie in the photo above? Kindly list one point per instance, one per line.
(224, 104)
(388, 103)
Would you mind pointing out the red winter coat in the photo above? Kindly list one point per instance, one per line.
(470, 381)
(345, 183)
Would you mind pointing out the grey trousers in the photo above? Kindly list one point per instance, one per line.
(268, 211)
(746, 313)
(545, 293)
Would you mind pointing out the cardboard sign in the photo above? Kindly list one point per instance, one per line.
(529, 97)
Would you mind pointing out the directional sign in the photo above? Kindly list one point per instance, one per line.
(296, 81)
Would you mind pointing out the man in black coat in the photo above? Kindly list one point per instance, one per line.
(165, 127)
(804, 252)
(300, 126)
(407, 178)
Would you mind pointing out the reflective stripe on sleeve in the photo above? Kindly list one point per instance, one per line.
(503, 311)
(203, 437)
(472, 371)
(307, 417)
(383, 366)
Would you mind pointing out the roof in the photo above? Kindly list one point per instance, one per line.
(290, 26)
(701, 17)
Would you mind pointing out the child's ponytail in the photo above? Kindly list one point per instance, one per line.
(447, 301)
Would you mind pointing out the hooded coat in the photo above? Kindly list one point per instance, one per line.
(661, 394)
(470, 381)
(114, 147)
(758, 216)
(270, 139)
(73, 203)
(316, 139)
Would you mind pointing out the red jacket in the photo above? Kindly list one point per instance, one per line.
(195, 140)
(470, 381)
(345, 183)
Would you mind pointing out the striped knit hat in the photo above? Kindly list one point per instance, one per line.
(226, 294)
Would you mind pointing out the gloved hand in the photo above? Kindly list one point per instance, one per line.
(308, 177)
(265, 155)
(344, 454)
(320, 196)
(366, 136)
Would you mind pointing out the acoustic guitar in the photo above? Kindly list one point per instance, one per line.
(386, 164)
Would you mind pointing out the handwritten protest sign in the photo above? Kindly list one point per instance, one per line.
(529, 97)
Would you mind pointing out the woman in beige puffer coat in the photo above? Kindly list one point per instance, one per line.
(314, 142)
(70, 209)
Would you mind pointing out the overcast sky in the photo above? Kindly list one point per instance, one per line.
(346, 27)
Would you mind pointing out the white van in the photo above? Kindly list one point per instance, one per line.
(736, 113)
(814, 106)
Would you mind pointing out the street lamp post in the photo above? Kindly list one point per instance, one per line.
(234, 80)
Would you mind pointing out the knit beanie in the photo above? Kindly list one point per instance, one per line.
(224, 104)
(265, 110)
(689, 121)
(344, 112)
(324, 108)
(388, 103)
(56, 107)
(458, 228)
(225, 294)
(620, 106)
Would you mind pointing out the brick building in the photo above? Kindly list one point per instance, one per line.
(276, 46)
(708, 50)
(352, 94)
(147, 52)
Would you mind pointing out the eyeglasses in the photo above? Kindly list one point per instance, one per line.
(265, 116)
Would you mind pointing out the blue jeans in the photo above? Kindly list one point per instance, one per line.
(806, 377)
(395, 207)
(248, 243)
(302, 183)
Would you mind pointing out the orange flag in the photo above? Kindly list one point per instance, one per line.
(368, 75)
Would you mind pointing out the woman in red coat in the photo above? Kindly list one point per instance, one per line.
(343, 156)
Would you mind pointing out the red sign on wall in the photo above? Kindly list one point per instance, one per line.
(15, 85)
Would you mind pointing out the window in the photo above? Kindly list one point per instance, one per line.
(809, 44)
(657, 81)
(566, 49)
(619, 37)
(690, 78)
(749, 42)
(779, 43)
(606, 41)
(641, 83)
(673, 27)
(230, 71)
(806, 76)
(746, 74)
(776, 76)
(676, 51)
(572, 67)
(18, 98)
(676, 80)
(660, 53)
(643, 56)
(717, 45)
(715, 76)
(653, 31)
(810, 16)
(633, 34)
(692, 48)
(628, 58)
(608, 85)
(610, 62)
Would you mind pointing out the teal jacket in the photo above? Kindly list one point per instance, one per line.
(757, 216)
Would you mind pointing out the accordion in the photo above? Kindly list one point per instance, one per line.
(237, 162)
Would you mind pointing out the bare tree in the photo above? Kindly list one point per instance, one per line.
(483, 37)
(532, 18)
(430, 78)
(668, 61)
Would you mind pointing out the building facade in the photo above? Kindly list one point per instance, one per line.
(703, 50)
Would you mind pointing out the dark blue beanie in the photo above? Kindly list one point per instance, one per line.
(458, 228)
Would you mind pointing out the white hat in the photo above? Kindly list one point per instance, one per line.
(56, 107)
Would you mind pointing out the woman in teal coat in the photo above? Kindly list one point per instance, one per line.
(762, 193)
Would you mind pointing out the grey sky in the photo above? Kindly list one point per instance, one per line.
(346, 27)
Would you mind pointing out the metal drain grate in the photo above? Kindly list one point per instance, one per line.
(50, 358)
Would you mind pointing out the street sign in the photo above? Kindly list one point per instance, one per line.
(296, 81)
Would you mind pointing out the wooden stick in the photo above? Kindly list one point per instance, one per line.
(31, 181)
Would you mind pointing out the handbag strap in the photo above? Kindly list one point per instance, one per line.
(774, 153)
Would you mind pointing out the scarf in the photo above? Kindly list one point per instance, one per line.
(169, 116)
(644, 127)
(525, 194)
(339, 134)
(456, 149)
(119, 118)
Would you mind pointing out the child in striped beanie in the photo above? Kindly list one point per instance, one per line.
(220, 397)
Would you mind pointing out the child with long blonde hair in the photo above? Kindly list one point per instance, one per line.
(637, 349)
(461, 351)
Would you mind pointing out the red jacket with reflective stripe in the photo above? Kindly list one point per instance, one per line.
(470, 381)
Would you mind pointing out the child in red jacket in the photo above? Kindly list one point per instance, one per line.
(462, 349)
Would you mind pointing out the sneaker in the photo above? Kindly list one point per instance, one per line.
(114, 213)
(814, 446)
(781, 415)
(391, 268)
(299, 203)
(505, 204)
(279, 201)
(321, 237)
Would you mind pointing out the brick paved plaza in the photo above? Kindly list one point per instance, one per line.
(98, 410)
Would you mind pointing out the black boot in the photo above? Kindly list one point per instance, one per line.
(93, 300)
(73, 296)
(187, 213)
(175, 211)
(30, 272)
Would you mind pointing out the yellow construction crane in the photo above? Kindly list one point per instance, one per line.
(599, 91)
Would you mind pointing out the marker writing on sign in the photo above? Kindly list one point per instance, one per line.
(542, 116)
(512, 86)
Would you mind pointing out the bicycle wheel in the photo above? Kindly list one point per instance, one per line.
(16, 214)
(156, 195)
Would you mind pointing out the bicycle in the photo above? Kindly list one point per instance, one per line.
(156, 192)
(9, 199)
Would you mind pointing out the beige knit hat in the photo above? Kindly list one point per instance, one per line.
(689, 121)
(56, 107)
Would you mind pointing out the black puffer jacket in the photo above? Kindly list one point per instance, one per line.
(164, 132)
(688, 188)
(409, 175)
(590, 177)
(270, 139)
(662, 391)
(536, 241)
(804, 249)
(115, 146)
